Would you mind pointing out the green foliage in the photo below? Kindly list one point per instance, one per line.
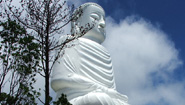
(62, 100)
(6, 98)
(19, 60)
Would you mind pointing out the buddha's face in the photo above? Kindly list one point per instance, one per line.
(93, 14)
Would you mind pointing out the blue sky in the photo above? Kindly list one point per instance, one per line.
(169, 14)
(146, 42)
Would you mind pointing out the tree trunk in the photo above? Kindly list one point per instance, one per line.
(47, 72)
(47, 96)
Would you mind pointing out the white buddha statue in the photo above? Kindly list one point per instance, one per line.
(84, 72)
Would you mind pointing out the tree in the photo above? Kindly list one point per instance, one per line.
(45, 19)
(19, 59)
(62, 100)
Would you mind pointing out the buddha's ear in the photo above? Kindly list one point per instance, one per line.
(72, 24)
(75, 27)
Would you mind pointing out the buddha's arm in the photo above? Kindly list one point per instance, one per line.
(75, 81)
(79, 82)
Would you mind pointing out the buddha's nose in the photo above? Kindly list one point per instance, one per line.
(102, 24)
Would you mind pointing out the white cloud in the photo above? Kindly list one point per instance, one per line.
(143, 55)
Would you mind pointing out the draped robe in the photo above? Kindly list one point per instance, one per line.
(84, 73)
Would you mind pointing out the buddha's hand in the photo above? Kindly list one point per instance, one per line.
(114, 94)
(111, 92)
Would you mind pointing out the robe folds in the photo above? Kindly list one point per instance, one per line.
(85, 74)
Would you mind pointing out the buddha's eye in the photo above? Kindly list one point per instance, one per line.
(95, 16)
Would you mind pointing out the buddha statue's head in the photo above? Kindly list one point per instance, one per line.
(92, 13)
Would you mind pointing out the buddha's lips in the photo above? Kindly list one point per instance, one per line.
(102, 31)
